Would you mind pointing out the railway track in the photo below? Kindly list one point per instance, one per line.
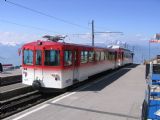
(10, 80)
(21, 102)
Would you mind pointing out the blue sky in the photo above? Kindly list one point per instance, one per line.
(129, 16)
(137, 19)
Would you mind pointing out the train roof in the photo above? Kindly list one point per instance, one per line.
(50, 43)
(117, 47)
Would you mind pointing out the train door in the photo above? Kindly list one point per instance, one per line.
(28, 63)
(75, 66)
(38, 70)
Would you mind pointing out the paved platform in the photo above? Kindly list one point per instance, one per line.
(117, 96)
(8, 73)
(10, 76)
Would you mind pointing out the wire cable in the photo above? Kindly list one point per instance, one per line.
(41, 29)
(26, 26)
(44, 14)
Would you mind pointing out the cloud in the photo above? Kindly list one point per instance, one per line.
(138, 35)
(87, 37)
(12, 38)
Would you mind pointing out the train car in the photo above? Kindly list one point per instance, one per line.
(57, 65)
(123, 56)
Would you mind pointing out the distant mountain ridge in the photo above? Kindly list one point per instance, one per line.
(9, 52)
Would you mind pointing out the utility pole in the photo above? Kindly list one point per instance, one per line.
(93, 33)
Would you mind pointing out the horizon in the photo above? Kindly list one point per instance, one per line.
(26, 21)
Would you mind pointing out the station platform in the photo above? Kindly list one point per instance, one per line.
(10, 76)
(116, 96)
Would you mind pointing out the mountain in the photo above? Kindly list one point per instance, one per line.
(142, 52)
(9, 54)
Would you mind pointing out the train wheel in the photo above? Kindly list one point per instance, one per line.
(36, 85)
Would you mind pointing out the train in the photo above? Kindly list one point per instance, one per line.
(50, 64)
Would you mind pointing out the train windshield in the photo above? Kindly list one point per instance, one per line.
(67, 58)
(52, 57)
(28, 57)
(38, 57)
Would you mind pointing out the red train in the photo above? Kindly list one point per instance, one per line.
(57, 65)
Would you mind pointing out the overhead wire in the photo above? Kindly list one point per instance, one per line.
(40, 29)
(27, 26)
(44, 14)
(50, 16)
(47, 15)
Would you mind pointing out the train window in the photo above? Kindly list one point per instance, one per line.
(102, 56)
(126, 55)
(98, 55)
(28, 57)
(129, 55)
(52, 57)
(119, 55)
(106, 55)
(91, 56)
(84, 56)
(67, 58)
(111, 56)
(75, 56)
(38, 57)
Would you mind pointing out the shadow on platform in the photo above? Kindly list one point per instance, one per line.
(94, 111)
(98, 86)
(132, 66)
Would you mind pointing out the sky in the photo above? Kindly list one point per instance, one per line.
(137, 19)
